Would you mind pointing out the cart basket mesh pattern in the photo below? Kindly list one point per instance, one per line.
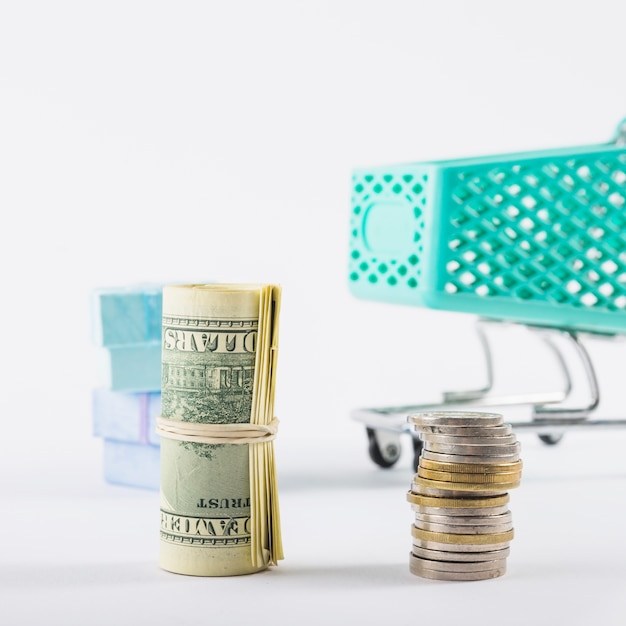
(536, 238)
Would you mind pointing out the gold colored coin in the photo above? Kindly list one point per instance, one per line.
(457, 486)
(491, 538)
(449, 492)
(471, 468)
(458, 503)
(491, 511)
(469, 478)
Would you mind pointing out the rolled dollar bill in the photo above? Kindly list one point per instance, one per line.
(219, 500)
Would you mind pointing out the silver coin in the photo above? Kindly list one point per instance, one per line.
(466, 520)
(460, 547)
(502, 440)
(419, 570)
(465, 458)
(467, 431)
(470, 449)
(451, 493)
(464, 529)
(466, 500)
(457, 576)
(446, 555)
(455, 418)
(458, 566)
(459, 512)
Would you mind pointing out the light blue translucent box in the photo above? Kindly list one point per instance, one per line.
(133, 367)
(126, 315)
(131, 464)
(128, 417)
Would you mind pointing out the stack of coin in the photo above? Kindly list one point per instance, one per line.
(463, 527)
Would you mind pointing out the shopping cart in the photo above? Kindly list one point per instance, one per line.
(535, 239)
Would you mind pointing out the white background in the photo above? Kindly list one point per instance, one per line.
(186, 141)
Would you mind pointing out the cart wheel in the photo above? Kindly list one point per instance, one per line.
(418, 444)
(550, 440)
(384, 448)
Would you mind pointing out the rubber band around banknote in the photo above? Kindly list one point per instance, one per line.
(216, 433)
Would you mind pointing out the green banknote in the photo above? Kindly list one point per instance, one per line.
(218, 516)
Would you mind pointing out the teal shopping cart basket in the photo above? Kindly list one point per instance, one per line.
(536, 237)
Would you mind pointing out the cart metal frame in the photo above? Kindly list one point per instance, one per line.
(551, 415)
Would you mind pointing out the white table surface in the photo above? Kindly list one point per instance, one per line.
(76, 550)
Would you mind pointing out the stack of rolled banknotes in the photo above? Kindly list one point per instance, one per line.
(463, 527)
(219, 500)
(126, 328)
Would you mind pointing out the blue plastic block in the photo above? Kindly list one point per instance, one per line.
(129, 417)
(135, 367)
(127, 315)
(131, 464)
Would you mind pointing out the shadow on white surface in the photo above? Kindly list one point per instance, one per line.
(363, 576)
(346, 479)
(79, 575)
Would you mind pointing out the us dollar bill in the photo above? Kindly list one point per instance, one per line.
(211, 374)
